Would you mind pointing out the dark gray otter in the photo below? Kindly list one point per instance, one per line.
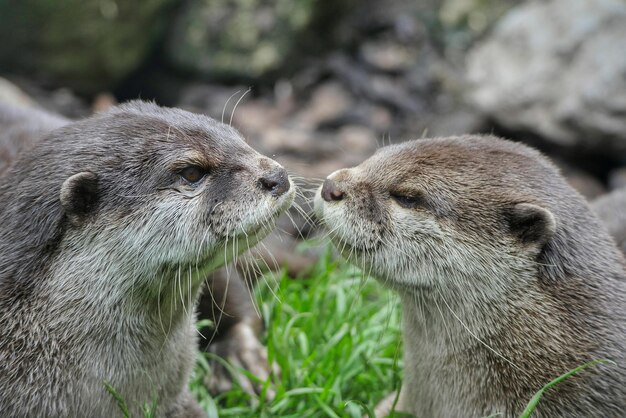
(108, 226)
(507, 279)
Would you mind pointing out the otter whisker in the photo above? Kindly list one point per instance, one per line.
(189, 294)
(306, 179)
(475, 336)
(227, 236)
(247, 276)
(203, 242)
(159, 296)
(230, 122)
(221, 308)
(445, 325)
(263, 276)
(306, 216)
(179, 280)
(226, 104)
(293, 221)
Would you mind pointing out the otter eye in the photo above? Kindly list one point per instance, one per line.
(193, 173)
(409, 201)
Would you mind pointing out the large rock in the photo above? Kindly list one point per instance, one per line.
(88, 45)
(557, 69)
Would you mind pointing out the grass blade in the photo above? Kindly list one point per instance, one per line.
(118, 398)
(535, 399)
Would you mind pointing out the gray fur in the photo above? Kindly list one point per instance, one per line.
(105, 291)
(507, 278)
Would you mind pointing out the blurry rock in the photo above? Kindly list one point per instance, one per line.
(11, 94)
(382, 90)
(102, 102)
(585, 184)
(445, 115)
(617, 179)
(61, 101)
(87, 45)
(357, 140)
(329, 101)
(256, 117)
(21, 126)
(610, 209)
(388, 56)
(297, 141)
(211, 99)
(556, 69)
(380, 118)
(22, 92)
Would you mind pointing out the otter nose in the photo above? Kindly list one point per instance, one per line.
(330, 191)
(275, 182)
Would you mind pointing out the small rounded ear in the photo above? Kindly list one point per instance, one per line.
(79, 195)
(530, 223)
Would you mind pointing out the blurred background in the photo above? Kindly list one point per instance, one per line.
(320, 84)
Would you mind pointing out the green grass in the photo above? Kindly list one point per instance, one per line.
(148, 409)
(336, 338)
(535, 399)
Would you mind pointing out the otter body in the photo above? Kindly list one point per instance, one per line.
(507, 279)
(108, 226)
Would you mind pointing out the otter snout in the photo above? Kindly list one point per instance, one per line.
(276, 182)
(330, 191)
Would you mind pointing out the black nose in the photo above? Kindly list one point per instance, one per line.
(275, 182)
(330, 191)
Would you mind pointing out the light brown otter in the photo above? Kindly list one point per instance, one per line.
(108, 226)
(507, 279)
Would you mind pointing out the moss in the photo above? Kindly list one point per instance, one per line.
(88, 45)
(239, 38)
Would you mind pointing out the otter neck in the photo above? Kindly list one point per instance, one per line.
(457, 316)
(157, 297)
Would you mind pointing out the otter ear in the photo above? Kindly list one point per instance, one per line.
(531, 224)
(79, 195)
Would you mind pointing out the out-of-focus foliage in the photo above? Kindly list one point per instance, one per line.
(246, 38)
(88, 45)
(475, 15)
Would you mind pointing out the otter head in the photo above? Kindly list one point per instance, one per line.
(442, 212)
(140, 191)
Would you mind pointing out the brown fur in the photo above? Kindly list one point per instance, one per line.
(507, 278)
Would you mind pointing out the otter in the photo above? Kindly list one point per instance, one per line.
(225, 300)
(108, 226)
(506, 278)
